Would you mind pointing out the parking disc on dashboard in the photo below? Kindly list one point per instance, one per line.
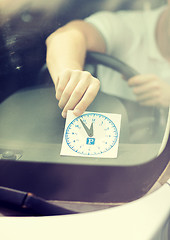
(92, 135)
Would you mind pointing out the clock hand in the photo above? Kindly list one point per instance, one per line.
(89, 131)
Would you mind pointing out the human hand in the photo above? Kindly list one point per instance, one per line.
(75, 90)
(150, 90)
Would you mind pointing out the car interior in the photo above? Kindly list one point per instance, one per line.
(32, 128)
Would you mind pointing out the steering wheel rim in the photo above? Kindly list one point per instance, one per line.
(111, 62)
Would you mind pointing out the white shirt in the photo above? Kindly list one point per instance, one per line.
(130, 36)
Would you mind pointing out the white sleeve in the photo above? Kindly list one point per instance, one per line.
(120, 30)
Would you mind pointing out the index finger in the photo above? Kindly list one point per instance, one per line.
(86, 100)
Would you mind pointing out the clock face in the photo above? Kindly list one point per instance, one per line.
(91, 134)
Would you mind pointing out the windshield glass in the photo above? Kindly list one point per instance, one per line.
(31, 122)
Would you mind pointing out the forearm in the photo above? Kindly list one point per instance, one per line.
(66, 50)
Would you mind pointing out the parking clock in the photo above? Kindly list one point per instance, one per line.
(91, 134)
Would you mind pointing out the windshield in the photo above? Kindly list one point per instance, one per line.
(32, 127)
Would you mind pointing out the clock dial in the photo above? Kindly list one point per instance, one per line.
(91, 134)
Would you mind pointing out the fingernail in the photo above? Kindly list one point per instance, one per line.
(64, 114)
(77, 112)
